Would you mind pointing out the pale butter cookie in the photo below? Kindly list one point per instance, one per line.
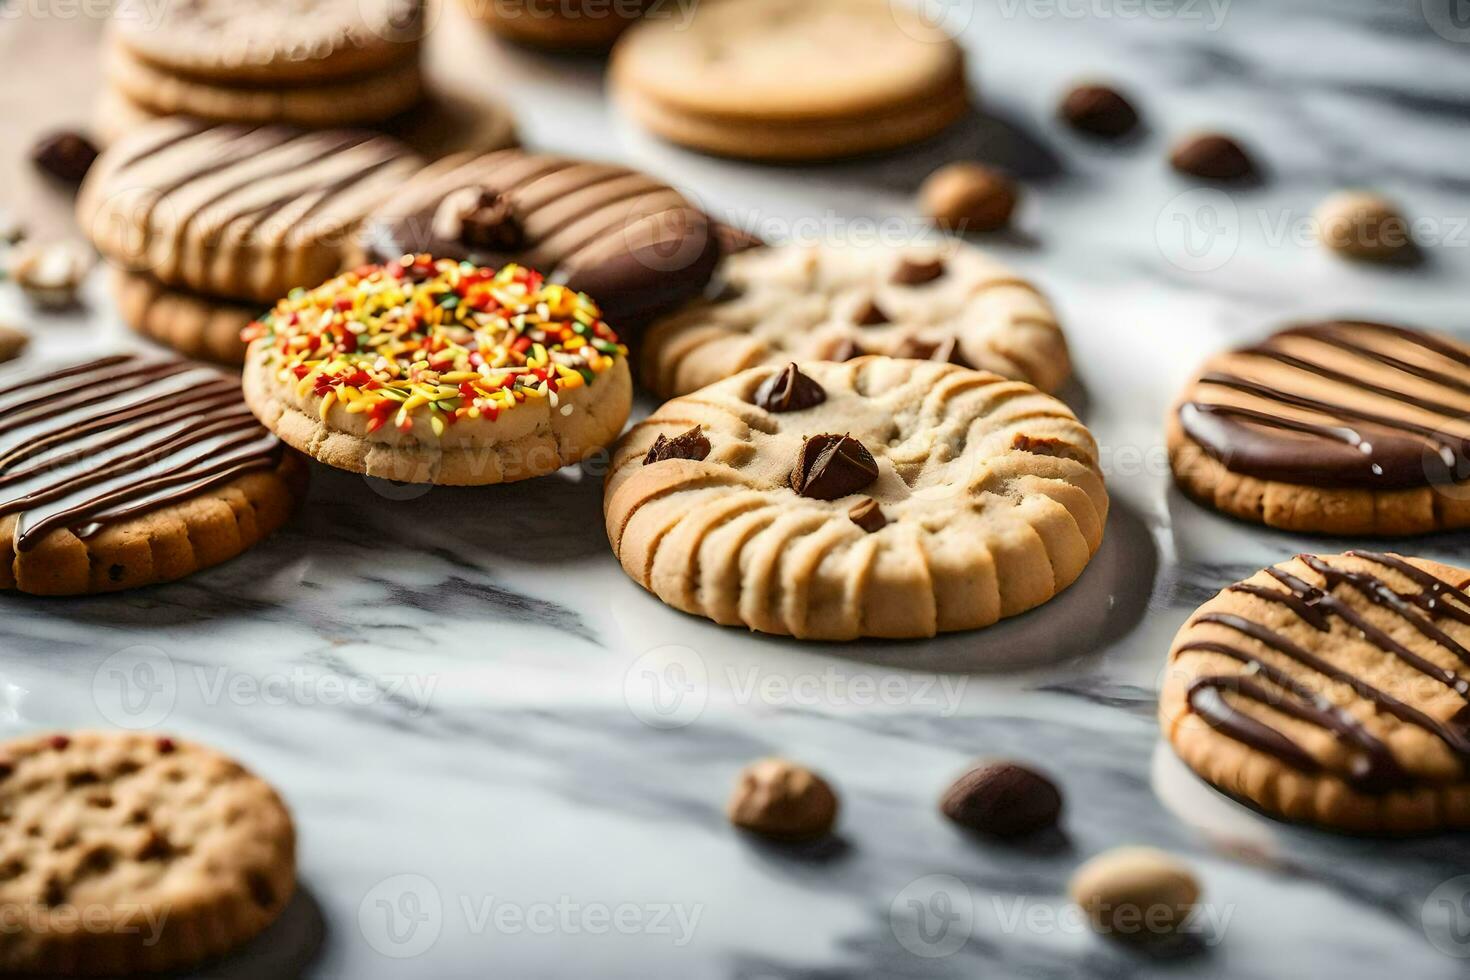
(801, 303)
(876, 497)
(233, 211)
(1337, 428)
(124, 852)
(427, 371)
(1331, 690)
(127, 470)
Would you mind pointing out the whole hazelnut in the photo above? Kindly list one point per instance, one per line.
(12, 342)
(969, 197)
(781, 799)
(1098, 110)
(1362, 225)
(49, 274)
(65, 155)
(1135, 893)
(479, 218)
(1003, 799)
(1213, 156)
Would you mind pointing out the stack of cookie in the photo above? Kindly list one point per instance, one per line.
(208, 226)
(314, 63)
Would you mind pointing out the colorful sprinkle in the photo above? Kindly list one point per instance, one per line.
(439, 339)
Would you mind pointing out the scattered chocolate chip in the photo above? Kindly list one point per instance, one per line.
(479, 218)
(1047, 446)
(733, 240)
(916, 272)
(781, 799)
(686, 445)
(867, 515)
(1002, 799)
(155, 846)
(60, 741)
(166, 745)
(846, 350)
(788, 390)
(66, 155)
(870, 314)
(832, 466)
(1098, 110)
(1213, 156)
(969, 197)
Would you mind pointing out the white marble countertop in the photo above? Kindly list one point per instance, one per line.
(505, 759)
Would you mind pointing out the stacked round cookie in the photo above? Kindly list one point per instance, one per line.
(207, 226)
(313, 63)
(775, 80)
(567, 25)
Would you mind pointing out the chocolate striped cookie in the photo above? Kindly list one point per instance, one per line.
(1340, 427)
(636, 245)
(126, 470)
(234, 211)
(1333, 690)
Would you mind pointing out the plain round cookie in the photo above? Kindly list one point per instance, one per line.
(1340, 427)
(270, 42)
(343, 102)
(744, 78)
(504, 377)
(1331, 690)
(115, 116)
(126, 852)
(564, 25)
(987, 493)
(193, 325)
(237, 212)
(78, 514)
(797, 302)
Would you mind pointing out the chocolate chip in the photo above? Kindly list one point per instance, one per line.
(66, 155)
(916, 272)
(1003, 799)
(166, 745)
(846, 350)
(1213, 156)
(788, 390)
(946, 351)
(1047, 446)
(867, 515)
(833, 466)
(686, 445)
(479, 218)
(870, 314)
(1098, 111)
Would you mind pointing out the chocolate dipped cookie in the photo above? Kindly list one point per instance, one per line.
(1342, 427)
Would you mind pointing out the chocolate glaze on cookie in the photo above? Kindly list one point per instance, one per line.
(97, 442)
(1360, 405)
(632, 243)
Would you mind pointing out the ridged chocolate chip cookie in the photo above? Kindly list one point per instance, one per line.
(1341, 427)
(1331, 690)
(948, 302)
(124, 852)
(877, 497)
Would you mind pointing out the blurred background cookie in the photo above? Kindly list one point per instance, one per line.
(568, 25)
(774, 80)
(191, 324)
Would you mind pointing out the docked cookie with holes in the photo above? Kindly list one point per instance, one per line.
(877, 497)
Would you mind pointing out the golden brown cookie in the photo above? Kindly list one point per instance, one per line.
(1338, 428)
(343, 102)
(876, 497)
(116, 115)
(566, 25)
(949, 302)
(125, 852)
(440, 372)
(193, 325)
(127, 470)
(1332, 690)
(233, 211)
(270, 43)
(773, 80)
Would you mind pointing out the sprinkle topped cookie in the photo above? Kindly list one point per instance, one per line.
(437, 371)
(877, 497)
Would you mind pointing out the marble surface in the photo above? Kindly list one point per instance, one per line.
(505, 759)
